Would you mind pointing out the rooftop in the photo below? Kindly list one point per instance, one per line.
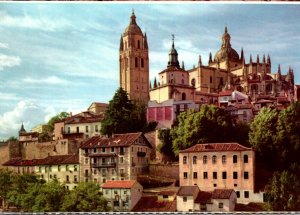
(222, 193)
(188, 190)
(151, 204)
(119, 184)
(212, 147)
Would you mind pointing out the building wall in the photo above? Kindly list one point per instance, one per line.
(166, 92)
(58, 130)
(185, 206)
(166, 170)
(89, 129)
(229, 167)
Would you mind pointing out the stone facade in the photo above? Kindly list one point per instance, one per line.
(134, 62)
(121, 157)
(122, 195)
(220, 166)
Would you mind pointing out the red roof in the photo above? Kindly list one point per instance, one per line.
(151, 204)
(114, 141)
(212, 147)
(119, 184)
(203, 197)
(225, 93)
(188, 190)
(222, 193)
(50, 160)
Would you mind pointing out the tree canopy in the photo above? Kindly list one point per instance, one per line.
(123, 116)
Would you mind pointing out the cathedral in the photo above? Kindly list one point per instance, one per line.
(226, 71)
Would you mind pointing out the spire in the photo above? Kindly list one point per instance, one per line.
(173, 55)
(242, 54)
(145, 41)
(257, 59)
(154, 84)
(225, 29)
(210, 58)
(182, 65)
(226, 39)
(264, 59)
(199, 61)
(250, 59)
(269, 60)
(22, 129)
(132, 18)
(121, 43)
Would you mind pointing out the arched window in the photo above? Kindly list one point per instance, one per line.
(195, 160)
(142, 62)
(234, 158)
(204, 159)
(193, 82)
(214, 159)
(224, 159)
(184, 160)
(138, 44)
(245, 158)
(183, 96)
(210, 79)
(136, 62)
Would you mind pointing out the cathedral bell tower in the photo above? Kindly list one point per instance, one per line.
(134, 62)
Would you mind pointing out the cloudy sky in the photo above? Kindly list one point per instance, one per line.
(63, 56)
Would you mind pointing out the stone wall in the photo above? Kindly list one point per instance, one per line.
(165, 170)
(9, 150)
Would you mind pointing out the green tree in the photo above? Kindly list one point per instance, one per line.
(5, 184)
(44, 137)
(85, 197)
(283, 192)
(12, 139)
(123, 116)
(263, 133)
(55, 119)
(210, 124)
(165, 147)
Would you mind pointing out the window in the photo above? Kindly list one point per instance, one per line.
(204, 159)
(246, 175)
(116, 203)
(215, 185)
(136, 62)
(67, 178)
(185, 175)
(125, 192)
(121, 159)
(86, 160)
(77, 129)
(224, 175)
(245, 158)
(195, 175)
(40, 169)
(210, 79)
(214, 159)
(165, 196)
(86, 173)
(221, 205)
(183, 96)
(142, 63)
(235, 185)
(234, 158)
(184, 199)
(224, 159)
(184, 160)
(86, 128)
(67, 167)
(246, 194)
(195, 160)
(138, 44)
(235, 175)
(238, 194)
(103, 160)
(112, 149)
(205, 175)
(96, 128)
(75, 178)
(95, 150)
(103, 149)
(50, 168)
(69, 130)
(50, 176)
(75, 168)
(215, 175)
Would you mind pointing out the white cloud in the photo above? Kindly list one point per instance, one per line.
(3, 46)
(8, 96)
(26, 21)
(49, 80)
(27, 112)
(8, 61)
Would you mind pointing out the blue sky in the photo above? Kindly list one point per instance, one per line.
(64, 56)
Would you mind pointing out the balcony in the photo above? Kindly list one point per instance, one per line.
(141, 154)
(103, 155)
(104, 165)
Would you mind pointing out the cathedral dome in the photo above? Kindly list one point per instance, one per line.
(226, 51)
(133, 28)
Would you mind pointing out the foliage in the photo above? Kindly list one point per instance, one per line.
(85, 197)
(283, 191)
(210, 124)
(5, 184)
(165, 147)
(44, 137)
(12, 139)
(240, 133)
(123, 116)
(55, 119)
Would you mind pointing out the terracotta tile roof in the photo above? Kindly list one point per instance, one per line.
(119, 184)
(222, 193)
(187, 190)
(203, 197)
(50, 160)
(263, 101)
(114, 141)
(212, 147)
(225, 93)
(151, 204)
(83, 117)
